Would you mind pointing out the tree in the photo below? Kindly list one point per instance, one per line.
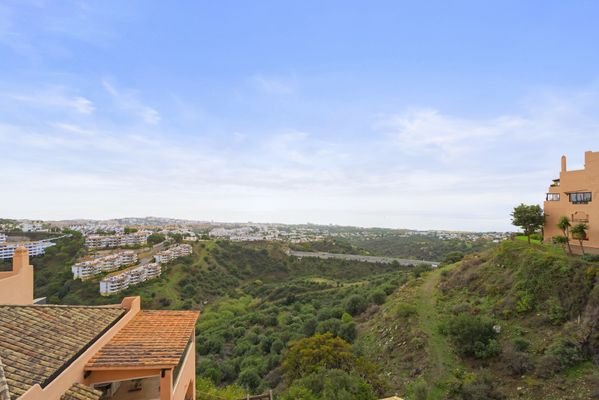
(528, 217)
(356, 305)
(579, 231)
(564, 225)
(562, 241)
(155, 238)
(308, 355)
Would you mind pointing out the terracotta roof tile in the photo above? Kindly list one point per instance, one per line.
(150, 339)
(81, 392)
(38, 340)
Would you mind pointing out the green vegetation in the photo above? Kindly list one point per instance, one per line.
(418, 247)
(515, 321)
(528, 217)
(156, 238)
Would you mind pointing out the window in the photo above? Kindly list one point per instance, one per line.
(552, 196)
(580, 197)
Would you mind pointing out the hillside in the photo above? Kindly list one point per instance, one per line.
(517, 321)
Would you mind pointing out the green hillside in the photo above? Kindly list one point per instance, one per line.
(517, 321)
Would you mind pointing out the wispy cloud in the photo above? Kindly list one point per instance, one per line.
(273, 85)
(129, 101)
(55, 98)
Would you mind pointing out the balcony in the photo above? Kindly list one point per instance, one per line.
(136, 389)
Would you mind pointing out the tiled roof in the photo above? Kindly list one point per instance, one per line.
(81, 392)
(38, 340)
(150, 339)
(4, 393)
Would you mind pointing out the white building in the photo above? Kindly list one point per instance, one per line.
(33, 226)
(87, 269)
(169, 255)
(106, 241)
(37, 248)
(121, 280)
(2, 238)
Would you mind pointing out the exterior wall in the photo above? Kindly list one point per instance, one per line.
(74, 373)
(187, 374)
(585, 180)
(16, 286)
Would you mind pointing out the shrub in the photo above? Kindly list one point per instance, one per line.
(355, 305)
(249, 379)
(473, 336)
(405, 310)
(521, 344)
(378, 297)
(516, 362)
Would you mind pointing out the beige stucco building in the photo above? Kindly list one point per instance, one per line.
(116, 352)
(575, 195)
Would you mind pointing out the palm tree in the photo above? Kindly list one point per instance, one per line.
(564, 225)
(560, 241)
(579, 231)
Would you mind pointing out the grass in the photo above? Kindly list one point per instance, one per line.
(524, 238)
(439, 351)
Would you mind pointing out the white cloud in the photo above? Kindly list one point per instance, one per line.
(129, 101)
(273, 85)
(56, 99)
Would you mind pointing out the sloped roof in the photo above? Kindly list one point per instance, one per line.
(81, 392)
(38, 341)
(4, 392)
(155, 339)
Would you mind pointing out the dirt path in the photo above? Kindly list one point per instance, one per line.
(442, 358)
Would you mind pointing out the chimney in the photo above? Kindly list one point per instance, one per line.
(587, 158)
(20, 259)
(564, 169)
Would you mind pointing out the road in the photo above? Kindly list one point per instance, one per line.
(356, 257)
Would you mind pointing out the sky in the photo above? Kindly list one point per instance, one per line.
(400, 114)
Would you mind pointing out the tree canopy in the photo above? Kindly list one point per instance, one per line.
(528, 217)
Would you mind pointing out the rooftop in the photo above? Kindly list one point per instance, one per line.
(153, 339)
(81, 392)
(38, 341)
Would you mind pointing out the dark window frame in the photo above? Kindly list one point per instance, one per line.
(551, 197)
(580, 197)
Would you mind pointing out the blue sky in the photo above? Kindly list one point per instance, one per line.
(428, 114)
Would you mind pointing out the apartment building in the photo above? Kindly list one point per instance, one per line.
(169, 255)
(107, 241)
(87, 269)
(2, 238)
(116, 352)
(37, 248)
(121, 280)
(574, 195)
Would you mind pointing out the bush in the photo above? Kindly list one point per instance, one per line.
(332, 384)
(249, 378)
(516, 362)
(521, 344)
(356, 305)
(378, 297)
(473, 336)
(405, 310)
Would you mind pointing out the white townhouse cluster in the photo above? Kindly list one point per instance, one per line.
(2, 238)
(87, 269)
(121, 280)
(107, 241)
(33, 226)
(166, 256)
(37, 248)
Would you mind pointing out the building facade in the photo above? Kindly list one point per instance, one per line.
(87, 269)
(575, 195)
(121, 280)
(107, 241)
(169, 255)
(37, 248)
